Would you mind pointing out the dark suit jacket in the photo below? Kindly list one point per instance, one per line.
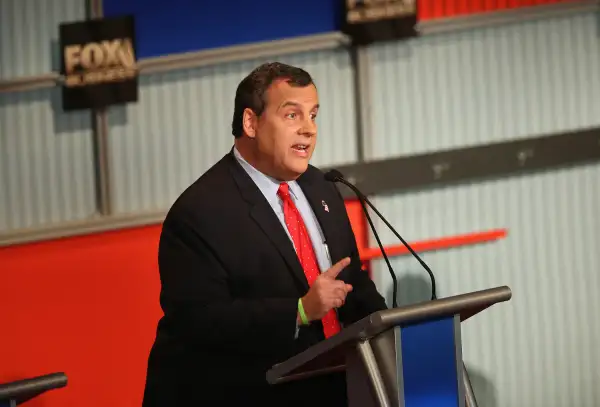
(230, 287)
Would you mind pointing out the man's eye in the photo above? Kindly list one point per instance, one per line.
(313, 116)
(291, 115)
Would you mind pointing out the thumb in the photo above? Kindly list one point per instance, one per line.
(337, 268)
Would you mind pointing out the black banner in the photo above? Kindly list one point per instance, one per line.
(369, 21)
(98, 63)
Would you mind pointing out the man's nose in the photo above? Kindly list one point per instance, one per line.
(309, 128)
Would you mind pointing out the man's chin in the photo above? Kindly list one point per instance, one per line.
(296, 170)
(299, 167)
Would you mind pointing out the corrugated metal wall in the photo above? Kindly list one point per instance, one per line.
(46, 161)
(538, 77)
(46, 155)
(489, 85)
(540, 348)
(182, 125)
(29, 34)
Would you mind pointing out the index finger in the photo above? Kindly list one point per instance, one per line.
(337, 268)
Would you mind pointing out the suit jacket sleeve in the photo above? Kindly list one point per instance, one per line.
(196, 299)
(364, 298)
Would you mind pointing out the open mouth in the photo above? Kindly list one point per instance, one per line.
(301, 148)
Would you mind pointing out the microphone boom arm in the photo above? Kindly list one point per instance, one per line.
(395, 287)
(337, 176)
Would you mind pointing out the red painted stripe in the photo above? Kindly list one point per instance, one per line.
(434, 9)
(436, 244)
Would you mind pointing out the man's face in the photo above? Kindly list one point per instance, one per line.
(286, 132)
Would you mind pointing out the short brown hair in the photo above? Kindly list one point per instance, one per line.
(251, 91)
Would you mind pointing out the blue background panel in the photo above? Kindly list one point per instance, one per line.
(429, 364)
(175, 26)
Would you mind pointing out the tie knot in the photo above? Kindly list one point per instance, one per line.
(284, 190)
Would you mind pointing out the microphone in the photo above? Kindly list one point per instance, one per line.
(336, 176)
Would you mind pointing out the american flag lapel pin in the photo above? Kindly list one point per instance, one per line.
(325, 206)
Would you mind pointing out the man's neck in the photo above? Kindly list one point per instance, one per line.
(248, 153)
(247, 150)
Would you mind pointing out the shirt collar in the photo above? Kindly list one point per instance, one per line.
(268, 185)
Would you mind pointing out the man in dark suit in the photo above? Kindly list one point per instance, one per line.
(257, 261)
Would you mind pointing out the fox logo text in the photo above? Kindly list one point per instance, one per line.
(93, 63)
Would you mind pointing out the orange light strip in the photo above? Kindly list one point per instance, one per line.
(449, 242)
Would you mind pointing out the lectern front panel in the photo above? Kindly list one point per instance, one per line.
(432, 363)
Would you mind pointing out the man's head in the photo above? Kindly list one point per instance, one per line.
(274, 124)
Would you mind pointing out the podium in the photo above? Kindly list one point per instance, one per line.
(15, 393)
(402, 357)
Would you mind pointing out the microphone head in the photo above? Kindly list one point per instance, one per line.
(333, 175)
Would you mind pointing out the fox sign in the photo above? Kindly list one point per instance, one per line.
(98, 63)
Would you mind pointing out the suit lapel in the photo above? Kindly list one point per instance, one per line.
(266, 219)
(262, 213)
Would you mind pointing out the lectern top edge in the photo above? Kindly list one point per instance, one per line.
(465, 305)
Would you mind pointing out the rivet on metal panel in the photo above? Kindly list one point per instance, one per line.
(523, 155)
(439, 169)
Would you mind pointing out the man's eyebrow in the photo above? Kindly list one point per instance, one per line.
(294, 104)
(289, 103)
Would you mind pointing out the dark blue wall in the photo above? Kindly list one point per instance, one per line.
(173, 26)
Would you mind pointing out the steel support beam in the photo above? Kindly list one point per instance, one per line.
(100, 133)
(363, 88)
(102, 162)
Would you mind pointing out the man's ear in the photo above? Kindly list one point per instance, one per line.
(250, 123)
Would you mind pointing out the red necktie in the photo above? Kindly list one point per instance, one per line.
(305, 252)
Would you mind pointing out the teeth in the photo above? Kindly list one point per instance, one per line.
(300, 146)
